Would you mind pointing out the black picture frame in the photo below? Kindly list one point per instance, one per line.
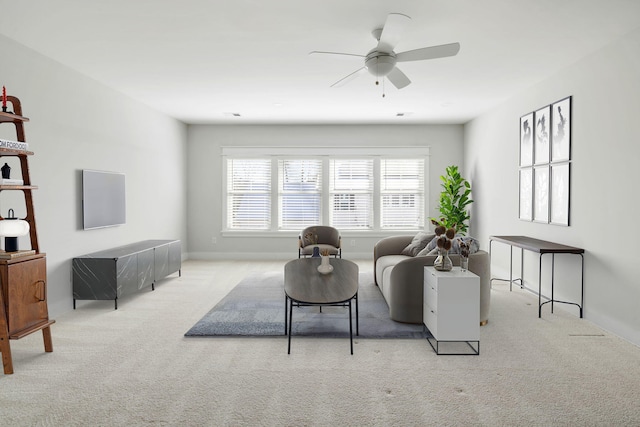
(561, 130)
(541, 150)
(526, 140)
(541, 193)
(544, 187)
(525, 211)
(559, 200)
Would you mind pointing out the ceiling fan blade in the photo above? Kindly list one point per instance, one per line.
(319, 52)
(392, 31)
(432, 52)
(343, 81)
(398, 78)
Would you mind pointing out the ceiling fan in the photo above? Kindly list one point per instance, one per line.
(381, 60)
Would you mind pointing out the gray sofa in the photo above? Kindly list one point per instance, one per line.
(400, 278)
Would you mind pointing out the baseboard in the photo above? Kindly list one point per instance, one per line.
(228, 256)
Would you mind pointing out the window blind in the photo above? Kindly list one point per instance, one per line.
(300, 193)
(249, 194)
(351, 193)
(402, 193)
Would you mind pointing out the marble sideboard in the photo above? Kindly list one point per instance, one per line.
(115, 272)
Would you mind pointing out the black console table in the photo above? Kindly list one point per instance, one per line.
(541, 247)
(115, 272)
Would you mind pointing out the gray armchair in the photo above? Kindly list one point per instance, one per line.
(322, 236)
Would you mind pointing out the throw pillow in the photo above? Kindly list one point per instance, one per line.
(418, 243)
(431, 248)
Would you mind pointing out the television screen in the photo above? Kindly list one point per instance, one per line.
(103, 199)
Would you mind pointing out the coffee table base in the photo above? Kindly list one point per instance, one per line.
(289, 303)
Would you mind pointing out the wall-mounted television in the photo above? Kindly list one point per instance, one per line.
(103, 199)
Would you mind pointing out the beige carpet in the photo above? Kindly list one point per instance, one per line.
(134, 367)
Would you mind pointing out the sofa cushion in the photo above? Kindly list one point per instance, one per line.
(418, 243)
(384, 263)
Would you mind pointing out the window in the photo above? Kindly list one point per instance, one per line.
(300, 193)
(402, 193)
(249, 194)
(351, 193)
(284, 188)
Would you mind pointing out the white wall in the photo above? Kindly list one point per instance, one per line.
(78, 123)
(205, 185)
(604, 184)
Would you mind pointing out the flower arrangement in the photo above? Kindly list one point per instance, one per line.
(465, 247)
(445, 237)
(324, 252)
(444, 242)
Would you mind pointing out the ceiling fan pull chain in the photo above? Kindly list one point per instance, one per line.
(377, 74)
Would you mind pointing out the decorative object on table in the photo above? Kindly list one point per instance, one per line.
(325, 266)
(316, 252)
(545, 181)
(444, 242)
(464, 253)
(12, 228)
(4, 99)
(6, 171)
(454, 200)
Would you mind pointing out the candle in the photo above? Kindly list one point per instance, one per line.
(4, 96)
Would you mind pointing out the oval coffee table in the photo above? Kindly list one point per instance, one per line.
(305, 286)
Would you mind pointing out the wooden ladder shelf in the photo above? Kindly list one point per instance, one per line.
(23, 274)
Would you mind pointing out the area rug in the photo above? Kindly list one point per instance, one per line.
(255, 308)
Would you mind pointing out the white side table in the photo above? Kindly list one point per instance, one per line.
(451, 308)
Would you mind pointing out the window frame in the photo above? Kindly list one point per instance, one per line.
(325, 153)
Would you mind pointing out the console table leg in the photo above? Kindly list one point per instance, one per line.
(553, 266)
(510, 268)
(521, 268)
(582, 285)
(540, 286)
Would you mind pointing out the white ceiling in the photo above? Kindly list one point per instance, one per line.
(199, 60)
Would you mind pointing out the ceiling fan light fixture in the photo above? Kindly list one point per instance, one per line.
(379, 63)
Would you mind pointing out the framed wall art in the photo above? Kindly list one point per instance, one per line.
(561, 130)
(541, 150)
(526, 194)
(526, 140)
(541, 193)
(545, 164)
(560, 178)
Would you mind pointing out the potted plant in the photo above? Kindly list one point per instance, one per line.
(454, 200)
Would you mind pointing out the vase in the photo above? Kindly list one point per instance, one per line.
(443, 262)
(325, 267)
(316, 252)
(464, 263)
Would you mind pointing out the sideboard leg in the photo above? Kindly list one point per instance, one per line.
(7, 362)
(48, 343)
